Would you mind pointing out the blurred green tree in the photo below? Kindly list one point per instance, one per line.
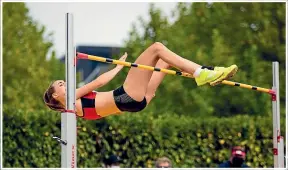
(218, 34)
(26, 70)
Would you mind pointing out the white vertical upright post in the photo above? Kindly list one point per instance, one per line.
(68, 118)
(281, 159)
(278, 152)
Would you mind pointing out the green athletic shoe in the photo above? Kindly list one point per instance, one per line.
(208, 76)
(228, 72)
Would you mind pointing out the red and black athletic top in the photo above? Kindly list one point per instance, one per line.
(88, 106)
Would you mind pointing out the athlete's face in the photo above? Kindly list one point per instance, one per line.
(60, 90)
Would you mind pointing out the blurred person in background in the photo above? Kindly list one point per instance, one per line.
(237, 159)
(163, 162)
(112, 162)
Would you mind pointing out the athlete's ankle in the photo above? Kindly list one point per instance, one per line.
(197, 72)
(208, 67)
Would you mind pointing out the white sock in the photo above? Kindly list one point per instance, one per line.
(197, 72)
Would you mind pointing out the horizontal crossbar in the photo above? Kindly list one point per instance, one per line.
(167, 71)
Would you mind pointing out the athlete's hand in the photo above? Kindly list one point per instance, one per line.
(122, 58)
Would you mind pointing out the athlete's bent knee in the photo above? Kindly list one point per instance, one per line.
(157, 46)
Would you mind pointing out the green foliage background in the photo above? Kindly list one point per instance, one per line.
(194, 126)
(138, 140)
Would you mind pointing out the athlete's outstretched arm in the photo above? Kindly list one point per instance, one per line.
(100, 81)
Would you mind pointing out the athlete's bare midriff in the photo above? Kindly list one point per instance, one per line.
(104, 104)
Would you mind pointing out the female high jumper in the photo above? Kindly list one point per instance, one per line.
(139, 86)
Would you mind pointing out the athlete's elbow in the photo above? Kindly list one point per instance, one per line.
(94, 85)
(100, 83)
